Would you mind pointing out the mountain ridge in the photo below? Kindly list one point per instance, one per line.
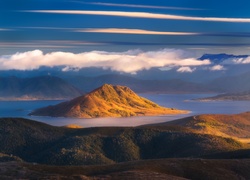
(175, 85)
(240, 96)
(35, 88)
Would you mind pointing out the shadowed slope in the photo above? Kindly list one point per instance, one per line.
(42, 87)
(168, 169)
(107, 101)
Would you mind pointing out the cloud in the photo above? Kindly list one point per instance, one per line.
(145, 15)
(185, 69)
(242, 60)
(49, 44)
(217, 68)
(2, 29)
(128, 62)
(133, 31)
(140, 6)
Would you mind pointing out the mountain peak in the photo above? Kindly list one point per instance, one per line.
(107, 101)
(114, 87)
(111, 92)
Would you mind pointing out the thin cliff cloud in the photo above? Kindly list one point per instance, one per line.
(138, 6)
(145, 15)
(133, 31)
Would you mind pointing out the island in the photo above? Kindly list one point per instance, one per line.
(107, 101)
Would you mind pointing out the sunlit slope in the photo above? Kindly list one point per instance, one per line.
(107, 101)
(236, 126)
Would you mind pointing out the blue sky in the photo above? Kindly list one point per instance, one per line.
(124, 36)
(79, 26)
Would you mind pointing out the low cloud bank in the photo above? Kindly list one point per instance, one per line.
(217, 68)
(242, 60)
(129, 62)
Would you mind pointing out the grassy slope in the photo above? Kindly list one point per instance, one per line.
(235, 126)
(107, 101)
(38, 142)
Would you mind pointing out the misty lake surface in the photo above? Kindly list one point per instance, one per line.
(179, 101)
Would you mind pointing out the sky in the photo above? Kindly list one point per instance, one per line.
(129, 29)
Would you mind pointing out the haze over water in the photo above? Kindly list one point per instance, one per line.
(179, 101)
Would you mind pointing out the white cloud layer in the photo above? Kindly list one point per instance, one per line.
(1, 29)
(217, 68)
(145, 15)
(129, 61)
(186, 69)
(242, 60)
(133, 31)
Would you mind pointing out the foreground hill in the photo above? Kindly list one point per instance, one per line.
(42, 87)
(241, 96)
(235, 126)
(172, 169)
(41, 143)
(107, 101)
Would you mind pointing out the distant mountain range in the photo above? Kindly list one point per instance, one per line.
(50, 87)
(241, 96)
(239, 83)
(106, 101)
(87, 84)
(219, 58)
(43, 87)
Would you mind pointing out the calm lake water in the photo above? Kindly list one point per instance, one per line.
(179, 101)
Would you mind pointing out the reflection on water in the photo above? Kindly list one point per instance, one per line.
(179, 101)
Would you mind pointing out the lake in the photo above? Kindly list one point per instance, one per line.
(179, 101)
